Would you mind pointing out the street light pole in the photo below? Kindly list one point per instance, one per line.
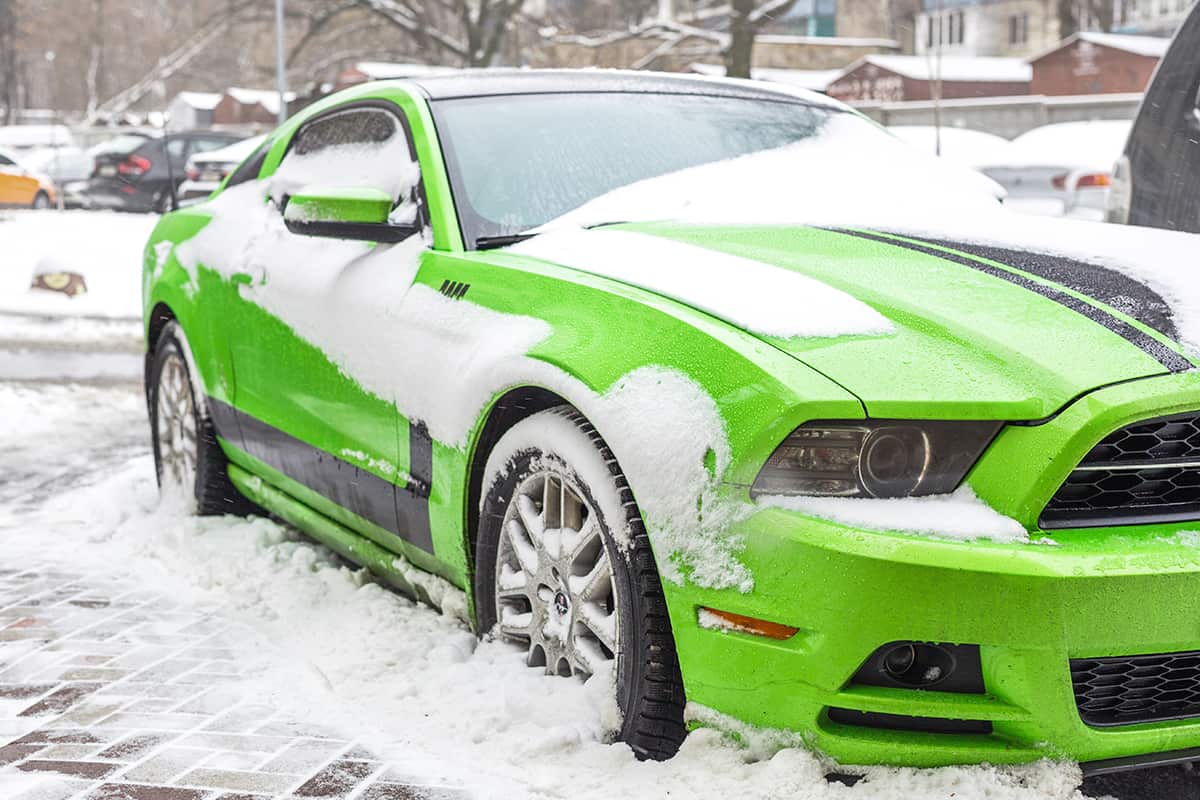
(280, 69)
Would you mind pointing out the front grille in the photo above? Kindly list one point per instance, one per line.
(1143, 473)
(1130, 689)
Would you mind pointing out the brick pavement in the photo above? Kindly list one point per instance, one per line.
(108, 692)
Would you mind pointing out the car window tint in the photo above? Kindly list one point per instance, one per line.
(176, 147)
(5, 161)
(249, 169)
(357, 126)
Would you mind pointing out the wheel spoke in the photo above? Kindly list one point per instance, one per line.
(526, 555)
(516, 624)
(596, 585)
(602, 625)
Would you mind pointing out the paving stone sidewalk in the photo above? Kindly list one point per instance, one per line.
(108, 692)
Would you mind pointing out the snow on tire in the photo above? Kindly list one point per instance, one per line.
(188, 460)
(563, 567)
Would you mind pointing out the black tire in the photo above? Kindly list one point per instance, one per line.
(649, 686)
(214, 493)
(41, 201)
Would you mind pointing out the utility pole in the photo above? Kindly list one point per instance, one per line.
(280, 68)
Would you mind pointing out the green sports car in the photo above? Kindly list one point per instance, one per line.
(631, 370)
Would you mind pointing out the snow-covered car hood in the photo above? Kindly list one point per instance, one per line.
(1008, 321)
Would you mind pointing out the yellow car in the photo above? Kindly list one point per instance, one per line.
(21, 187)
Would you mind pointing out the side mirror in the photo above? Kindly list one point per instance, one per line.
(344, 213)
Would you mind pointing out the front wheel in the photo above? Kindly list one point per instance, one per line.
(563, 568)
(188, 460)
(41, 201)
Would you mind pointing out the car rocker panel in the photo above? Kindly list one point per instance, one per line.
(358, 398)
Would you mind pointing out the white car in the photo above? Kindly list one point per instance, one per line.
(62, 164)
(1063, 169)
(963, 146)
(205, 171)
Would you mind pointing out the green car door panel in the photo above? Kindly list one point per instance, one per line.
(357, 385)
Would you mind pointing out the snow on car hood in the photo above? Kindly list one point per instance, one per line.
(964, 321)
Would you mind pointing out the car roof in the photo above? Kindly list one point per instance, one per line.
(499, 82)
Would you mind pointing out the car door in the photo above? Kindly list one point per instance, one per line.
(302, 414)
(17, 188)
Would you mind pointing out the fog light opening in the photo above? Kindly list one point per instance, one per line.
(918, 665)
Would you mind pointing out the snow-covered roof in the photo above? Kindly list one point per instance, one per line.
(1151, 46)
(815, 80)
(950, 68)
(267, 98)
(383, 70)
(201, 101)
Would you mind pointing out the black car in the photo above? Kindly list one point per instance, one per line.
(1157, 180)
(132, 174)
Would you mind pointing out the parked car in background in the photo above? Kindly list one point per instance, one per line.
(63, 165)
(966, 147)
(1063, 169)
(22, 186)
(21, 138)
(205, 171)
(132, 172)
(1157, 179)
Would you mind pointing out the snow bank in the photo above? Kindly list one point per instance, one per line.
(754, 296)
(104, 246)
(960, 516)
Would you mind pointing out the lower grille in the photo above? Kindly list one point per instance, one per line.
(1127, 690)
(1143, 473)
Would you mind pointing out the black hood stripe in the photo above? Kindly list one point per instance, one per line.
(1170, 359)
(1102, 284)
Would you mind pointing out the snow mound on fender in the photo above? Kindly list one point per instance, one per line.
(752, 295)
(960, 516)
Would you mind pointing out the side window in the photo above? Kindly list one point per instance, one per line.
(248, 170)
(176, 148)
(360, 147)
(5, 161)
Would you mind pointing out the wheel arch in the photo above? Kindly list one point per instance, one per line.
(156, 322)
(511, 407)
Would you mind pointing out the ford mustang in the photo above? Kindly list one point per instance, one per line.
(674, 384)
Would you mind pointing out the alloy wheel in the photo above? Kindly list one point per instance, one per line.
(554, 581)
(175, 424)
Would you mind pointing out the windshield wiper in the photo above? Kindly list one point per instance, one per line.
(492, 242)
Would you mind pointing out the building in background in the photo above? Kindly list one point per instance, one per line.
(892, 78)
(248, 107)
(1025, 28)
(191, 110)
(1097, 63)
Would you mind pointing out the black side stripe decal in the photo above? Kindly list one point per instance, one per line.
(1170, 359)
(401, 510)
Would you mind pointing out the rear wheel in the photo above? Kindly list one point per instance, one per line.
(188, 460)
(41, 201)
(563, 568)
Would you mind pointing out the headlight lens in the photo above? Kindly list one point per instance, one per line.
(875, 458)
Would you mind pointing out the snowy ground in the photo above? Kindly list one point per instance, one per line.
(144, 654)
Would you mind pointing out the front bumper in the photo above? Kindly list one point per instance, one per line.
(1086, 593)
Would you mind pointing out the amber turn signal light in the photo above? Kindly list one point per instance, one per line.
(712, 618)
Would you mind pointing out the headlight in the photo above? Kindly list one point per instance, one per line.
(875, 458)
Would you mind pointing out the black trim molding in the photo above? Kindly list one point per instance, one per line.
(401, 510)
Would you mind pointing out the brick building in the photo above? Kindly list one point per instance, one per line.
(1097, 63)
(890, 78)
(247, 107)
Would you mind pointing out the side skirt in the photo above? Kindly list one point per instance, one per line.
(336, 537)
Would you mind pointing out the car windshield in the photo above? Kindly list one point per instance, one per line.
(517, 162)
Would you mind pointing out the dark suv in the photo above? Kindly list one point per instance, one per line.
(131, 173)
(1157, 180)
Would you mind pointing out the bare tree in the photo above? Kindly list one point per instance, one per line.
(1077, 15)
(746, 20)
(8, 60)
(470, 32)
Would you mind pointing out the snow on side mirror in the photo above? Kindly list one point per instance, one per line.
(345, 213)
